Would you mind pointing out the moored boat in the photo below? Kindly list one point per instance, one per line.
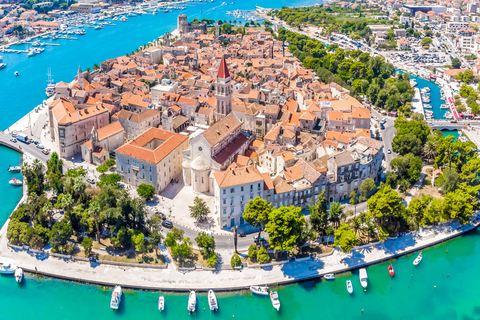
(262, 291)
(349, 286)
(192, 302)
(275, 300)
(116, 298)
(7, 268)
(14, 169)
(15, 182)
(363, 278)
(18, 275)
(329, 276)
(161, 303)
(418, 259)
(212, 301)
(17, 74)
(391, 271)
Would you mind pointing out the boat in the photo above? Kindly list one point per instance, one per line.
(262, 291)
(2, 65)
(418, 259)
(427, 89)
(363, 278)
(391, 271)
(50, 90)
(123, 19)
(275, 300)
(161, 303)
(7, 268)
(18, 275)
(444, 106)
(14, 169)
(31, 53)
(15, 182)
(192, 302)
(116, 298)
(17, 74)
(427, 106)
(349, 286)
(212, 301)
(329, 276)
(413, 83)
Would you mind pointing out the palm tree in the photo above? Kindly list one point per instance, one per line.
(335, 211)
(356, 223)
(48, 210)
(430, 149)
(67, 203)
(94, 211)
(79, 185)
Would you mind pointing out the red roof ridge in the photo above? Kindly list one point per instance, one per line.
(223, 72)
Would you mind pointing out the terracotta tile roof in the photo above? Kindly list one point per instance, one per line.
(221, 129)
(109, 130)
(235, 176)
(293, 173)
(169, 142)
(223, 72)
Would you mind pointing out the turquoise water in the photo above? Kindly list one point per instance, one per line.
(453, 133)
(435, 95)
(403, 297)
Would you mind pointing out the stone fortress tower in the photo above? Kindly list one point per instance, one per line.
(182, 23)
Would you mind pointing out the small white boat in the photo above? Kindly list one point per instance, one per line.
(349, 286)
(116, 298)
(14, 169)
(262, 291)
(192, 302)
(418, 259)
(18, 275)
(161, 303)
(7, 268)
(212, 301)
(275, 300)
(15, 182)
(329, 276)
(363, 278)
(17, 74)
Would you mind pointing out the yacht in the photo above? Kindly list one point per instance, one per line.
(36, 43)
(427, 89)
(50, 90)
(212, 301)
(349, 286)
(31, 53)
(329, 276)
(192, 302)
(16, 183)
(14, 169)
(17, 74)
(161, 303)
(2, 65)
(427, 106)
(275, 300)
(18, 275)
(116, 298)
(363, 278)
(418, 259)
(262, 291)
(115, 19)
(124, 19)
(444, 106)
(7, 268)
(413, 83)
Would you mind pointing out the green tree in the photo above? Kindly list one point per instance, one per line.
(146, 191)
(199, 210)
(95, 212)
(366, 187)
(319, 214)
(386, 209)
(449, 181)
(110, 162)
(354, 199)
(206, 243)
(284, 227)
(102, 169)
(456, 63)
(235, 262)
(263, 256)
(426, 41)
(335, 212)
(139, 241)
(257, 213)
(87, 245)
(154, 239)
(345, 238)
(60, 234)
(183, 250)
(408, 167)
(252, 252)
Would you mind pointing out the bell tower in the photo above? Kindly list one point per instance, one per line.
(223, 91)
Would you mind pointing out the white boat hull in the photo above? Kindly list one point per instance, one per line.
(212, 301)
(349, 286)
(161, 303)
(261, 291)
(192, 302)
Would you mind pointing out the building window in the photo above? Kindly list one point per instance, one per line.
(224, 201)
(232, 190)
(150, 168)
(224, 191)
(241, 189)
(150, 178)
(128, 161)
(128, 170)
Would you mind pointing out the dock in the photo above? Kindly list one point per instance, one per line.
(417, 103)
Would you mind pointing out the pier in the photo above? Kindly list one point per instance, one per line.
(44, 44)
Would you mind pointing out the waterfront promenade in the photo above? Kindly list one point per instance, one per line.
(172, 279)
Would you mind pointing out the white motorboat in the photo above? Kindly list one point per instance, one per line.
(262, 291)
(363, 278)
(15, 182)
(418, 259)
(18, 275)
(275, 300)
(212, 301)
(7, 268)
(349, 286)
(444, 106)
(329, 276)
(161, 303)
(427, 106)
(116, 298)
(192, 302)
(14, 169)
(32, 53)
(17, 74)
(2, 65)
(50, 90)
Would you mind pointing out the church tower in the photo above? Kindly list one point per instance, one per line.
(223, 91)
(166, 40)
(80, 77)
(217, 31)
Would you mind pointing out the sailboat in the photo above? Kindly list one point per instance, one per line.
(50, 90)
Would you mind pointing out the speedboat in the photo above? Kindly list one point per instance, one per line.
(427, 106)
(444, 106)
(212, 301)
(192, 302)
(17, 74)
(161, 303)
(116, 298)
(262, 291)
(391, 271)
(7, 268)
(329, 276)
(363, 278)
(418, 259)
(275, 300)
(18, 275)
(15, 182)
(2, 65)
(14, 169)
(31, 53)
(349, 286)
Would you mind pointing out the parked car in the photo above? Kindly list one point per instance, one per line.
(45, 151)
(39, 146)
(161, 215)
(389, 151)
(167, 224)
(13, 140)
(90, 180)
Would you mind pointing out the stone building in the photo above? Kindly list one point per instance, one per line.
(102, 142)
